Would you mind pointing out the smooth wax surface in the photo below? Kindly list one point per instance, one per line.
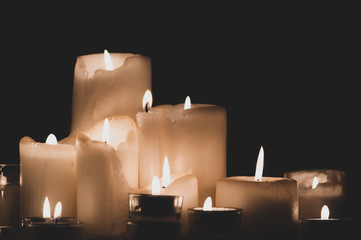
(99, 93)
(194, 140)
(270, 206)
(47, 170)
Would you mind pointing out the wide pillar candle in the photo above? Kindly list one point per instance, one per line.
(194, 140)
(47, 170)
(106, 173)
(269, 206)
(99, 93)
(317, 188)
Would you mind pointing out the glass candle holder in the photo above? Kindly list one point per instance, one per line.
(331, 229)
(218, 223)
(9, 194)
(154, 216)
(34, 228)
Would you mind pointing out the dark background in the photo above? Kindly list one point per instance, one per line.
(288, 75)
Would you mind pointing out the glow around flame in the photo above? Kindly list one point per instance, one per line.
(166, 173)
(108, 61)
(106, 131)
(46, 208)
(259, 165)
(315, 182)
(58, 209)
(51, 139)
(325, 212)
(3, 179)
(207, 206)
(147, 99)
(187, 103)
(155, 186)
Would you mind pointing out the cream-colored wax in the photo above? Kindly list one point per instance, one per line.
(47, 170)
(328, 190)
(195, 141)
(106, 173)
(99, 93)
(270, 206)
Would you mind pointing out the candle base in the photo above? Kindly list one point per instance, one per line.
(160, 230)
(36, 228)
(224, 223)
(330, 229)
(8, 233)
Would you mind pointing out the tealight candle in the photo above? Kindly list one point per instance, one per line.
(317, 188)
(108, 85)
(9, 195)
(154, 215)
(214, 222)
(47, 169)
(326, 227)
(269, 203)
(47, 227)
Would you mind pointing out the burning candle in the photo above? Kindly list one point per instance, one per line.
(193, 136)
(107, 169)
(317, 188)
(148, 132)
(154, 215)
(108, 85)
(185, 185)
(47, 227)
(47, 169)
(326, 227)
(269, 203)
(214, 222)
(9, 195)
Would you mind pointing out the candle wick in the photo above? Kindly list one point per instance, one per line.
(146, 108)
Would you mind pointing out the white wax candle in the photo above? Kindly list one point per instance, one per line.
(99, 93)
(47, 170)
(194, 140)
(148, 132)
(270, 206)
(317, 188)
(106, 172)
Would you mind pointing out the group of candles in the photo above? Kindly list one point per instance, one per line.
(130, 169)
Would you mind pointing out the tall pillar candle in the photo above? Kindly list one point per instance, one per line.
(111, 88)
(148, 132)
(194, 139)
(47, 169)
(107, 170)
(270, 206)
(317, 188)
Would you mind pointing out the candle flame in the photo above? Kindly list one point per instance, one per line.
(147, 101)
(3, 179)
(259, 165)
(325, 212)
(166, 173)
(187, 103)
(315, 182)
(57, 212)
(155, 186)
(207, 206)
(51, 139)
(108, 61)
(106, 131)
(46, 208)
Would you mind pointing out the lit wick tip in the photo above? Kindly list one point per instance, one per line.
(146, 108)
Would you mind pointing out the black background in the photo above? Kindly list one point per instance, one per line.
(288, 75)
